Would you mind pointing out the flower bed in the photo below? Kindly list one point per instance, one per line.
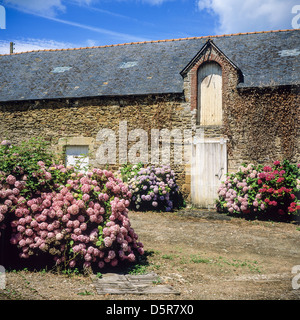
(269, 191)
(78, 219)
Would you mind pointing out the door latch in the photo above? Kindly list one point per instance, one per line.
(219, 174)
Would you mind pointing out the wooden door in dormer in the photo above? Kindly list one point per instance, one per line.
(210, 94)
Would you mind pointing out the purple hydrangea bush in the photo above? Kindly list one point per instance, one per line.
(152, 188)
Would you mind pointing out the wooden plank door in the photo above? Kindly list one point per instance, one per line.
(210, 94)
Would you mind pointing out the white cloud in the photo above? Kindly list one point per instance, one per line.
(91, 42)
(151, 2)
(155, 2)
(86, 2)
(48, 7)
(51, 7)
(250, 15)
(33, 44)
(117, 35)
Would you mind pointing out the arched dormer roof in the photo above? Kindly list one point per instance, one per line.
(207, 46)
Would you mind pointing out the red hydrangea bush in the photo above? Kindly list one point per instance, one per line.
(79, 219)
(269, 191)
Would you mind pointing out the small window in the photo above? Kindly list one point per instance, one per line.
(77, 156)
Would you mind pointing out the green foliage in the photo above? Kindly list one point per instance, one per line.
(23, 158)
(167, 256)
(23, 161)
(198, 259)
(128, 171)
(137, 269)
(85, 293)
(71, 271)
(100, 241)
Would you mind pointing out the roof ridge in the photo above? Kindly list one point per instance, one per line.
(151, 41)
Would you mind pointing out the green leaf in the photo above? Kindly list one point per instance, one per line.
(99, 243)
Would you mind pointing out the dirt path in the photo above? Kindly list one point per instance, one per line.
(204, 256)
(221, 259)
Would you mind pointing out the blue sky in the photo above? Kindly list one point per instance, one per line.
(46, 24)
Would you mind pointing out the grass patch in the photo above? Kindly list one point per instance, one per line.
(198, 259)
(158, 281)
(142, 264)
(168, 256)
(137, 269)
(85, 293)
(251, 265)
(220, 261)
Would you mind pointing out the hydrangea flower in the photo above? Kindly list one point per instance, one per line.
(75, 210)
(260, 189)
(151, 187)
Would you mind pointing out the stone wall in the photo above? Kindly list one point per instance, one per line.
(260, 124)
(77, 122)
(263, 125)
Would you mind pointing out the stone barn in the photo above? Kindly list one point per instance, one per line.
(204, 104)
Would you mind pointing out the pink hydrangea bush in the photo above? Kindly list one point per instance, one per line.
(82, 223)
(10, 189)
(269, 191)
(53, 211)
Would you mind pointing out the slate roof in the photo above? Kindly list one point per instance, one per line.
(264, 58)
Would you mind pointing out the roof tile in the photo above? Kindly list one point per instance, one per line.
(255, 54)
